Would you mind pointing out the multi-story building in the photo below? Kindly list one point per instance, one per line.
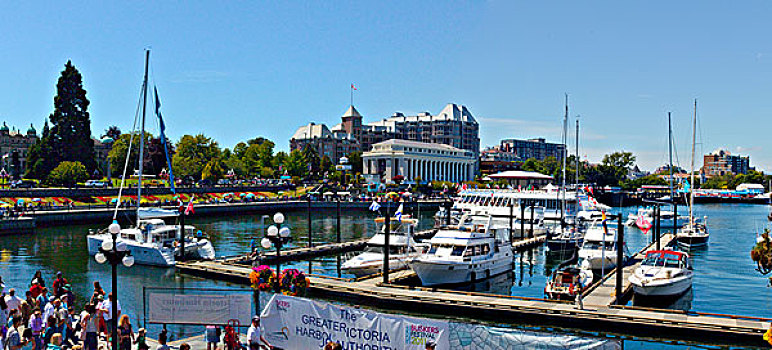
(493, 160)
(537, 148)
(325, 142)
(453, 126)
(13, 141)
(721, 162)
(416, 161)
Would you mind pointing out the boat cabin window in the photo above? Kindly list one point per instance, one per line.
(457, 251)
(598, 245)
(129, 236)
(378, 249)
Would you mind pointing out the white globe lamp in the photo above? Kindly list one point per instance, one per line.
(128, 261)
(107, 244)
(266, 243)
(100, 258)
(114, 228)
(278, 218)
(273, 231)
(284, 232)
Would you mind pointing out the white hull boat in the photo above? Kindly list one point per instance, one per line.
(463, 254)
(599, 249)
(662, 273)
(402, 249)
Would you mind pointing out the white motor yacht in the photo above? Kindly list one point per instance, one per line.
(153, 242)
(402, 248)
(599, 249)
(466, 253)
(564, 237)
(662, 273)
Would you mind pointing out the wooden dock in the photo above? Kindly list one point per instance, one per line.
(598, 315)
(305, 253)
(602, 292)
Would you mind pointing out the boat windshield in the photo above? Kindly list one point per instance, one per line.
(663, 260)
(379, 249)
(446, 250)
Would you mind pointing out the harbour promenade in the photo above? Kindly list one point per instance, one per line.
(65, 216)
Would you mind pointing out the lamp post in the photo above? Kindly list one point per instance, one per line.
(343, 166)
(276, 236)
(116, 254)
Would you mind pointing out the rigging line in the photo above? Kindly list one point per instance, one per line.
(128, 152)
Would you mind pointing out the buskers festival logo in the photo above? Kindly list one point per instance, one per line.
(416, 334)
(282, 305)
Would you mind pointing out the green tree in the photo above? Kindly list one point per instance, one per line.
(355, 160)
(67, 174)
(312, 160)
(646, 180)
(69, 138)
(295, 163)
(194, 153)
(325, 165)
(213, 170)
(117, 155)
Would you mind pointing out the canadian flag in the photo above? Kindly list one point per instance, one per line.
(643, 224)
(189, 208)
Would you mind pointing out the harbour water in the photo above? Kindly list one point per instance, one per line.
(725, 278)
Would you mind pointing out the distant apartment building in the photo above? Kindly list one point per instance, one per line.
(721, 162)
(454, 126)
(493, 160)
(536, 148)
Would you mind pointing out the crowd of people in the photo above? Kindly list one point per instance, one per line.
(46, 318)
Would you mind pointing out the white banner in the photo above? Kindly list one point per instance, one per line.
(297, 323)
(199, 308)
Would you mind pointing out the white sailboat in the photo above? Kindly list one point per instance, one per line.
(152, 241)
(695, 232)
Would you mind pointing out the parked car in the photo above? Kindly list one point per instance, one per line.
(24, 184)
(95, 184)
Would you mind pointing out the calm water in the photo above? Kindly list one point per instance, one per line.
(725, 277)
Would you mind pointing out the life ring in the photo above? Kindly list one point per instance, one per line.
(571, 289)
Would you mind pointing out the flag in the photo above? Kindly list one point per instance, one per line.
(687, 186)
(643, 224)
(398, 213)
(353, 87)
(603, 215)
(375, 206)
(163, 139)
(189, 210)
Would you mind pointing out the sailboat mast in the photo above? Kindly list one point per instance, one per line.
(565, 154)
(691, 172)
(142, 132)
(577, 154)
(670, 155)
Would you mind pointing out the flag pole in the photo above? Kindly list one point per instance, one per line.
(351, 90)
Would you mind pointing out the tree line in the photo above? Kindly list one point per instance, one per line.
(64, 155)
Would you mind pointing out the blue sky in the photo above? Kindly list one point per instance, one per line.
(237, 70)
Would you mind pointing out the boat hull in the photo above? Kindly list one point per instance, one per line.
(433, 273)
(692, 241)
(143, 255)
(677, 287)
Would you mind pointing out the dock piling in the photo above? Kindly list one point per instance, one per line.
(522, 219)
(386, 234)
(337, 226)
(310, 242)
(511, 224)
(620, 259)
(448, 207)
(530, 232)
(658, 234)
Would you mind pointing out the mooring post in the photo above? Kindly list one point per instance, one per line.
(620, 258)
(530, 232)
(675, 216)
(182, 234)
(511, 222)
(338, 223)
(659, 226)
(386, 234)
(448, 207)
(310, 242)
(522, 219)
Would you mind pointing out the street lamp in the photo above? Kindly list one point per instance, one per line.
(343, 166)
(276, 236)
(115, 253)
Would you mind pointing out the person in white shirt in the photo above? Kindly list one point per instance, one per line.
(106, 307)
(12, 300)
(254, 337)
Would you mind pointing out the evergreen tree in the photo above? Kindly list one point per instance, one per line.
(69, 138)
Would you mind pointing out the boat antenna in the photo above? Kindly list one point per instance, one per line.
(142, 134)
(577, 154)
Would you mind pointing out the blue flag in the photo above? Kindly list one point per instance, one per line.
(375, 206)
(163, 139)
(398, 213)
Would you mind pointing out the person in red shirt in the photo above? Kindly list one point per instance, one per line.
(59, 284)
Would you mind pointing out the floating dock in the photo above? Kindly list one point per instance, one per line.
(598, 315)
